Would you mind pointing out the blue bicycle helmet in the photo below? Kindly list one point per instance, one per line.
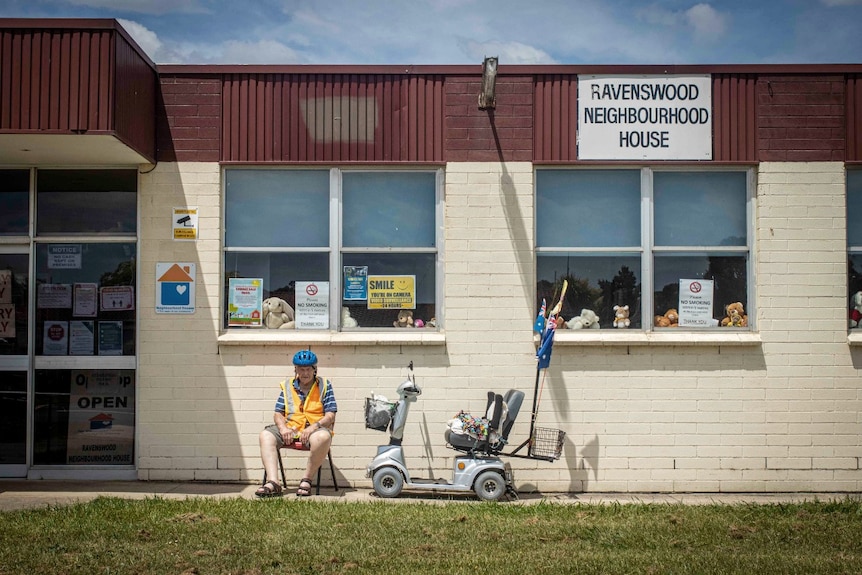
(305, 357)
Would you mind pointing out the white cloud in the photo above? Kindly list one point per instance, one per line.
(145, 6)
(706, 21)
(144, 37)
(508, 53)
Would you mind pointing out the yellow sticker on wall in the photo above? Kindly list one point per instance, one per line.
(391, 292)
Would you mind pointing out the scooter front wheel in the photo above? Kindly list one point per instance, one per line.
(388, 482)
(490, 486)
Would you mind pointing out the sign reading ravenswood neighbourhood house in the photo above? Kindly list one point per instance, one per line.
(645, 117)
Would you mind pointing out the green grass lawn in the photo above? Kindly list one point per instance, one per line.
(287, 536)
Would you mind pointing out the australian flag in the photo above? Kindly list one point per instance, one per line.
(543, 354)
(539, 326)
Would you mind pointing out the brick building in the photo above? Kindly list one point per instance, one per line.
(136, 199)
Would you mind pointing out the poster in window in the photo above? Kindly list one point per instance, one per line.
(392, 292)
(56, 338)
(117, 298)
(355, 283)
(81, 337)
(110, 338)
(5, 286)
(695, 303)
(54, 296)
(64, 256)
(101, 418)
(245, 302)
(7, 308)
(84, 297)
(312, 305)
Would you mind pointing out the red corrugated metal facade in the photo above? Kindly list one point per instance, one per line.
(854, 118)
(62, 80)
(332, 118)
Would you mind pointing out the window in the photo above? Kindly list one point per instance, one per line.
(629, 237)
(854, 240)
(355, 231)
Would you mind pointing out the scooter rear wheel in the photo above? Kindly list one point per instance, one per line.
(388, 482)
(490, 486)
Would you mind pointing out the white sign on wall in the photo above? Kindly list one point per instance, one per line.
(695, 303)
(312, 305)
(644, 117)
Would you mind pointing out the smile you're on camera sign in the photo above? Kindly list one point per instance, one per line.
(645, 117)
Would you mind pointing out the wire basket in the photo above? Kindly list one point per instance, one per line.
(378, 413)
(547, 443)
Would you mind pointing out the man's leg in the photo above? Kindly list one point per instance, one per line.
(319, 442)
(269, 445)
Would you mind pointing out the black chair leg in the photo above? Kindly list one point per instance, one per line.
(319, 470)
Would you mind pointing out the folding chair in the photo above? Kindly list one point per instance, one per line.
(319, 469)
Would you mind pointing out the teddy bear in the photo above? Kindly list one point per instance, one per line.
(669, 319)
(734, 315)
(587, 320)
(347, 319)
(621, 316)
(405, 319)
(277, 314)
(856, 309)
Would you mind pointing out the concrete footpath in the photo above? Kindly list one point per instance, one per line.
(33, 494)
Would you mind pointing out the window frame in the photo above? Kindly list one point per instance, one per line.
(648, 250)
(334, 252)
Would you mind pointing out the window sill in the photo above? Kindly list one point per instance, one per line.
(672, 337)
(303, 337)
(854, 337)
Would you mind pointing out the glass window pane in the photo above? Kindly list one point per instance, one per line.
(854, 208)
(728, 272)
(700, 209)
(67, 306)
(14, 269)
(420, 265)
(588, 208)
(84, 417)
(13, 424)
(597, 283)
(279, 272)
(389, 209)
(14, 202)
(102, 201)
(276, 208)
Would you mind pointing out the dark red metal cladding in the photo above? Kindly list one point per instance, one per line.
(854, 118)
(556, 118)
(332, 118)
(734, 118)
(61, 78)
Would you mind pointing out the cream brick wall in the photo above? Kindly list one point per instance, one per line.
(782, 415)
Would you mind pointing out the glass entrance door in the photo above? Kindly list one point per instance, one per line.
(14, 360)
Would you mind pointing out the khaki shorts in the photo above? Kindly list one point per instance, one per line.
(279, 442)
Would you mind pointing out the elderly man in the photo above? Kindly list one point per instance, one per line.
(303, 419)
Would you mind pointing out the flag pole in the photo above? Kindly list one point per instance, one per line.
(552, 317)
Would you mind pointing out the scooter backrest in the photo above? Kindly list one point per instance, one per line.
(513, 398)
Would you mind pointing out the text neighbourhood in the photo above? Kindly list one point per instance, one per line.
(392, 292)
(695, 303)
(645, 117)
(312, 305)
(101, 418)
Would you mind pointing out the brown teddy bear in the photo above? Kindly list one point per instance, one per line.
(621, 316)
(734, 315)
(277, 314)
(405, 319)
(669, 319)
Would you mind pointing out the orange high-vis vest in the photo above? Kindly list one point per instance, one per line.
(300, 414)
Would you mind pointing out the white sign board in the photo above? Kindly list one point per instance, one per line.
(175, 287)
(645, 117)
(312, 305)
(695, 303)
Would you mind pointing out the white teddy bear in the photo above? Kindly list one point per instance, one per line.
(347, 319)
(856, 309)
(277, 314)
(587, 320)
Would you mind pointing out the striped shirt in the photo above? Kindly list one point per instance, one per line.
(328, 400)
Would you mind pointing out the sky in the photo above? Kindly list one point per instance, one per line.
(415, 32)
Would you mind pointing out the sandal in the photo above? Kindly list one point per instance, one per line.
(269, 489)
(304, 489)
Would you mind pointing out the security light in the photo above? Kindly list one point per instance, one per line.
(489, 83)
